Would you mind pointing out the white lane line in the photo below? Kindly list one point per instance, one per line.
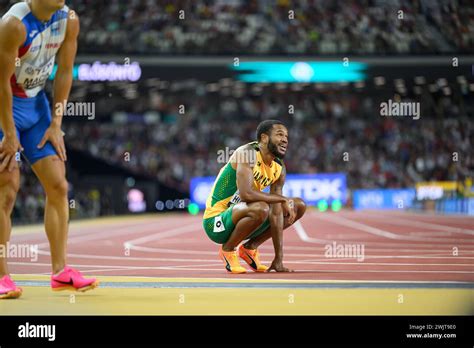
(109, 233)
(160, 268)
(317, 258)
(382, 233)
(259, 280)
(431, 234)
(425, 214)
(125, 258)
(163, 234)
(363, 263)
(300, 231)
(39, 264)
(417, 223)
(302, 262)
(308, 270)
(198, 252)
(375, 257)
(398, 250)
(193, 268)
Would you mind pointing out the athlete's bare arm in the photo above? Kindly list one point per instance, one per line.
(277, 223)
(276, 217)
(245, 180)
(62, 85)
(12, 36)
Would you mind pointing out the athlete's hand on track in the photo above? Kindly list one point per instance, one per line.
(289, 210)
(277, 266)
(9, 147)
(55, 135)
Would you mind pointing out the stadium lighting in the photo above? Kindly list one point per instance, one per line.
(322, 205)
(336, 205)
(193, 209)
(297, 72)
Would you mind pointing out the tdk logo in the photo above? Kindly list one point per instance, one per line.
(314, 189)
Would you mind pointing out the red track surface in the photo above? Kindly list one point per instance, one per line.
(398, 246)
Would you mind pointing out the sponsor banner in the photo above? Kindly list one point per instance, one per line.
(434, 189)
(456, 206)
(312, 188)
(98, 72)
(384, 198)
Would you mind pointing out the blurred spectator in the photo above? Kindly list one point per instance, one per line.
(382, 151)
(248, 27)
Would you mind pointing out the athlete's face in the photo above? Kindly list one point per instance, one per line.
(278, 140)
(52, 5)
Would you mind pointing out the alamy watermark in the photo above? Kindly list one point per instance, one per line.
(19, 251)
(241, 156)
(79, 109)
(345, 251)
(28, 330)
(402, 109)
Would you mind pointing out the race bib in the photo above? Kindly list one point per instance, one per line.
(30, 76)
(235, 199)
(218, 225)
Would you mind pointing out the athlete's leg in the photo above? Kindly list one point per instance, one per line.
(254, 243)
(9, 184)
(246, 218)
(51, 172)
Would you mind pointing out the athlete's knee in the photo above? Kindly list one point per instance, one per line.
(259, 211)
(300, 207)
(57, 189)
(8, 191)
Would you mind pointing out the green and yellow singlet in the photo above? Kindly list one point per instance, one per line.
(224, 192)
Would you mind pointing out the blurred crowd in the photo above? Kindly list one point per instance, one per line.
(274, 27)
(145, 128)
(331, 130)
(277, 27)
(30, 202)
(176, 133)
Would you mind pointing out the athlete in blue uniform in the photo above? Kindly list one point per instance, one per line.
(33, 34)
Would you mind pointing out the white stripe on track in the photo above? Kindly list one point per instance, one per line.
(382, 233)
(163, 234)
(416, 223)
(193, 268)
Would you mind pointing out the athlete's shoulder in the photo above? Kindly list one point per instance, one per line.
(63, 13)
(244, 154)
(12, 31)
(249, 146)
(66, 9)
(250, 150)
(279, 161)
(19, 10)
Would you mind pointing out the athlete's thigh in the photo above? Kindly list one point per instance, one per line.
(239, 211)
(299, 208)
(31, 137)
(51, 171)
(9, 180)
(220, 227)
(242, 209)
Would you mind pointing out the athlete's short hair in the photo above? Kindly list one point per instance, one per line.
(266, 126)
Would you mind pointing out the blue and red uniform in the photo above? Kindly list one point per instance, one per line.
(36, 56)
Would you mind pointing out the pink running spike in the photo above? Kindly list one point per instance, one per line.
(71, 279)
(8, 289)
